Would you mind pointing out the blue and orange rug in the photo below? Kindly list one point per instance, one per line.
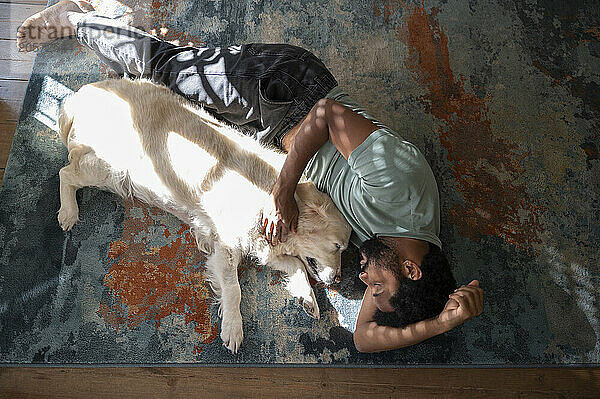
(502, 98)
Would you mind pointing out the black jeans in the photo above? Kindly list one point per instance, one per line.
(264, 89)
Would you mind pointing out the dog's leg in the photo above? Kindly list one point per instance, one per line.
(68, 214)
(85, 169)
(222, 269)
(297, 282)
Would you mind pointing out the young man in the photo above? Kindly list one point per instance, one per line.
(284, 96)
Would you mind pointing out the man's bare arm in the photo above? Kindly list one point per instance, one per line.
(370, 337)
(465, 303)
(328, 119)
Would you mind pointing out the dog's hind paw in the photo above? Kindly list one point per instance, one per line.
(232, 333)
(205, 242)
(310, 306)
(205, 246)
(67, 218)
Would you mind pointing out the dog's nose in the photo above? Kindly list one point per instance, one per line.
(338, 279)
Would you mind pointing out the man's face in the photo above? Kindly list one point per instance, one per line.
(382, 282)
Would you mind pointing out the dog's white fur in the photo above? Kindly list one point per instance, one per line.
(136, 138)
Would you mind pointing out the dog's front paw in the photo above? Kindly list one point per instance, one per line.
(310, 305)
(67, 217)
(232, 333)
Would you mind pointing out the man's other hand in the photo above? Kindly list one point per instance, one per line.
(281, 218)
(464, 303)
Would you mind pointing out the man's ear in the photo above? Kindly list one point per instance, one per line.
(411, 270)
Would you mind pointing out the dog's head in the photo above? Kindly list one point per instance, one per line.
(322, 234)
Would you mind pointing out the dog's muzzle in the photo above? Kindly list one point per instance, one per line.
(312, 263)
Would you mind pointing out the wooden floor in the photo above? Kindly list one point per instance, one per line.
(288, 383)
(15, 69)
(179, 382)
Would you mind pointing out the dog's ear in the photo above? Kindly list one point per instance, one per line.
(311, 202)
(304, 190)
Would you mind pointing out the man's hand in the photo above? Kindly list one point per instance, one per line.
(277, 222)
(464, 303)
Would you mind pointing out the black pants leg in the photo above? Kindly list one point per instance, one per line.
(265, 89)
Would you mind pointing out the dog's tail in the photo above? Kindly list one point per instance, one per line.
(65, 119)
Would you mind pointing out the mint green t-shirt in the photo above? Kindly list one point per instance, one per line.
(385, 188)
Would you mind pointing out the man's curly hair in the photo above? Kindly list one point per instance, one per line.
(415, 300)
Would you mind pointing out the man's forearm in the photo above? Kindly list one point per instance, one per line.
(370, 337)
(328, 119)
(313, 133)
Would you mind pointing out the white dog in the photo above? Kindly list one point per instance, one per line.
(136, 138)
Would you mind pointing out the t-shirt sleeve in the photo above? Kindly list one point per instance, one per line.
(387, 166)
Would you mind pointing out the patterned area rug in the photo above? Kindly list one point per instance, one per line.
(502, 98)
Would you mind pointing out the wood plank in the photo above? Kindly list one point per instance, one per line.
(14, 64)
(15, 70)
(12, 16)
(9, 51)
(11, 98)
(297, 382)
(10, 110)
(7, 130)
(12, 89)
